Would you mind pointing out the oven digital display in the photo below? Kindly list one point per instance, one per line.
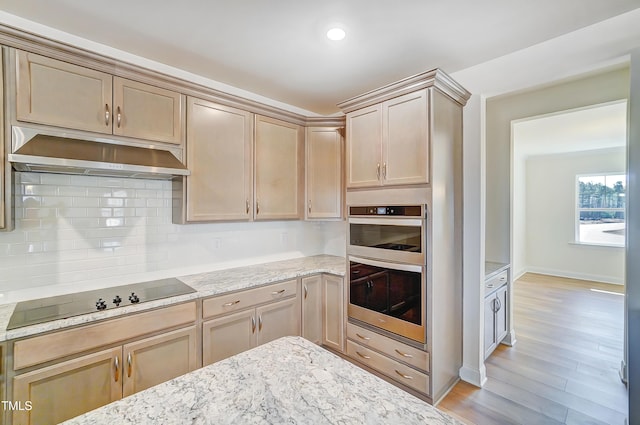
(382, 210)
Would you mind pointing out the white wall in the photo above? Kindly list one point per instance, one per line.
(84, 232)
(551, 213)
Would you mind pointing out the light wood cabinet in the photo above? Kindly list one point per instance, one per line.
(333, 312)
(388, 143)
(323, 172)
(219, 156)
(323, 310)
(53, 92)
(496, 313)
(68, 389)
(279, 169)
(248, 318)
(60, 390)
(312, 308)
(234, 333)
(157, 359)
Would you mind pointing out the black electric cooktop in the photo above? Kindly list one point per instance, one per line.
(63, 306)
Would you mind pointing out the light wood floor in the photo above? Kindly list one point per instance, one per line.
(564, 366)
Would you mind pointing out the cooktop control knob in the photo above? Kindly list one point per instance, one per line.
(117, 300)
(134, 298)
(101, 304)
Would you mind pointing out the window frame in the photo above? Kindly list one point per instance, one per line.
(578, 210)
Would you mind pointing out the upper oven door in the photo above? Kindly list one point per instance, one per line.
(388, 238)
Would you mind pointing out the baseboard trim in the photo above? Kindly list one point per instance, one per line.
(477, 377)
(574, 275)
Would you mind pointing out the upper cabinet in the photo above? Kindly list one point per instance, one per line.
(279, 169)
(324, 173)
(219, 156)
(52, 92)
(391, 130)
(5, 190)
(388, 143)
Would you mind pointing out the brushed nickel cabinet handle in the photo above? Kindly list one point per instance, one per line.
(384, 171)
(362, 355)
(257, 207)
(260, 322)
(117, 366)
(403, 375)
(305, 292)
(253, 325)
(247, 206)
(366, 338)
(129, 361)
(309, 205)
(229, 304)
(106, 114)
(378, 171)
(118, 116)
(409, 356)
(278, 292)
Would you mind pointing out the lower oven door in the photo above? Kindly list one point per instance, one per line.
(389, 296)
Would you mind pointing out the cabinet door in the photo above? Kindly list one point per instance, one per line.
(3, 193)
(278, 319)
(147, 112)
(61, 94)
(364, 147)
(324, 173)
(228, 335)
(279, 169)
(502, 314)
(312, 308)
(405, 139)
(68, 389)
(219, 141)
(489, 325)
(154, 360)
(333, 312)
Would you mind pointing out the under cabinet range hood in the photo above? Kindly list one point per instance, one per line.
(33, 150)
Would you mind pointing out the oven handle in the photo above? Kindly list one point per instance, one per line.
(387, 265)
(416, 222)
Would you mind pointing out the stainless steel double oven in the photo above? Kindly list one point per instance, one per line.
(387, 254)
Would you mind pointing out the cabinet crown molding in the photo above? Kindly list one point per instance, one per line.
(434, 78)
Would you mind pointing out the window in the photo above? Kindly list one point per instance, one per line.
(601, 209)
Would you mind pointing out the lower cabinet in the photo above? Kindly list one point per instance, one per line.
(64, 390)
(495, 319)
(233, 333)
(400, 362)
(323, 310)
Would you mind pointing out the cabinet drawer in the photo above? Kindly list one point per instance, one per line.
(389, 347)
(397, 371)
(41, 349)
(245, 299)
(495, 282)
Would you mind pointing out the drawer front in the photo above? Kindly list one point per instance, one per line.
(41, 349)
(229, 303)
(498, 280)
(389, 347)
(397, 371)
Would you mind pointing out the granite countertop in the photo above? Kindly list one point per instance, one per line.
(289, 380)
(206, 285)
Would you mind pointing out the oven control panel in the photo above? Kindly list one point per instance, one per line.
(398, 210)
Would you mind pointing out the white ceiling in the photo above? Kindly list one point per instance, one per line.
(599, 127)
(278, 48)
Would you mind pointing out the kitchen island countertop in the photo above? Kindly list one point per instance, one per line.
(289, 380)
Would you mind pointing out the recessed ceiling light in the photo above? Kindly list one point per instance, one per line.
(336, 34)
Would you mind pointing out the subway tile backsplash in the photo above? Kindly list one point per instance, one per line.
(81, 232)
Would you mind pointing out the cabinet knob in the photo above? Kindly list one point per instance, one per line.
(116, 363)
(106, 114)
(129, 362)
(118, 116)
(362, 355)
(378, 171)
(253, 325)
(403, 375)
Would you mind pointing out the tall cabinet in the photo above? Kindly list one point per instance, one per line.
(404, 147)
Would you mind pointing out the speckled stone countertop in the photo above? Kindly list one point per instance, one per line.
(289, 380)
(206, 284)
